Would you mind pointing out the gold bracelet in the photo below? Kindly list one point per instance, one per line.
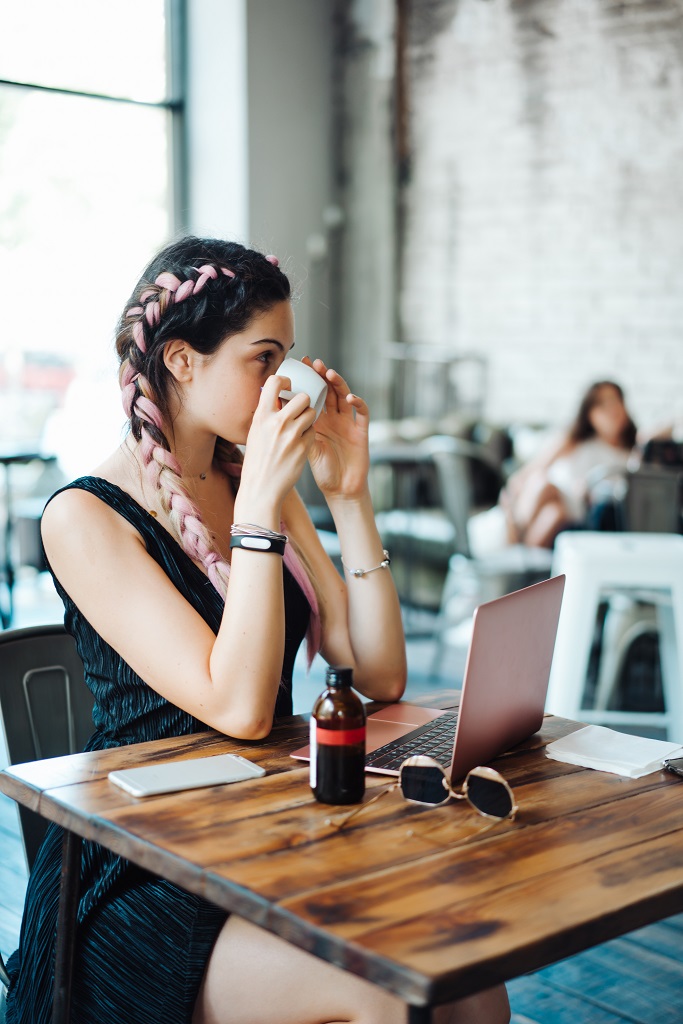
(384, 564)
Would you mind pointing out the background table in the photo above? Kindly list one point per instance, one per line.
(590, 856)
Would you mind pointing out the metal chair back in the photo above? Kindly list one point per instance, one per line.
(653, 500)
(45, 706)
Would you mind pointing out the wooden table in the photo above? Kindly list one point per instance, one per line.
(590, 856)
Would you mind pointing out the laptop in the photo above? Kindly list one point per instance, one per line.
(503, 692)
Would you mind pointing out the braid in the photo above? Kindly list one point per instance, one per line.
(187, 521)
(201, 301)
(154, 302)
(165, 476)
(147, 422)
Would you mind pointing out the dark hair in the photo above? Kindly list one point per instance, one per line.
(222, 306)
(202, 291)
(582, 429)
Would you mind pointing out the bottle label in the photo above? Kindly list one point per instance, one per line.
(336, 737)
(314, 753)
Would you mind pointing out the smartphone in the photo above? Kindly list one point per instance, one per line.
(674, 764)
(174, 776)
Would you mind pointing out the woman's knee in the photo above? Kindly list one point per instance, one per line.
(254, 977)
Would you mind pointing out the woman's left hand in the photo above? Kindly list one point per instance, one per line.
(339, 457)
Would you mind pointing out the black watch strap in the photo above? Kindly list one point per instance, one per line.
(255, 543)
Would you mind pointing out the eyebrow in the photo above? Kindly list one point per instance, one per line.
(272, 341)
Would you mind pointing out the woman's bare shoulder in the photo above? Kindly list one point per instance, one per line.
(75, 518)
(78, 507)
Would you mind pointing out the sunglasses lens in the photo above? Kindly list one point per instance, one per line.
(489, 796)
(424, 784)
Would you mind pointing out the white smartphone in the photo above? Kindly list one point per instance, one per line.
(173, 776)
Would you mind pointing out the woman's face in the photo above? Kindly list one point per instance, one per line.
(608, 415)
(226, 386)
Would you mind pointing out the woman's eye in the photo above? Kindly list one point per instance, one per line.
(266, 357)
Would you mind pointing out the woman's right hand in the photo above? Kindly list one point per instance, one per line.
(277, 448)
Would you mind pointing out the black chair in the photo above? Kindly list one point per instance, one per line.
(648, 499)
(45, 706)
(45, 711)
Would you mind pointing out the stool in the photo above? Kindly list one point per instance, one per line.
(625, 622)
(647, 566)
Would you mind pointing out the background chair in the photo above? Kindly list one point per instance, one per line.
(610, 567)
(471, 580)
(647, 499)
(45, 711)
(437, 483)
(45, 706)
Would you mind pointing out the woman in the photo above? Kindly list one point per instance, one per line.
(141, 555)
(551, 492)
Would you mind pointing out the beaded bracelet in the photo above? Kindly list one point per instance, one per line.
(252, 530)
(359, 573)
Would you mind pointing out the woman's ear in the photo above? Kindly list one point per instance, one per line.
(179, 360)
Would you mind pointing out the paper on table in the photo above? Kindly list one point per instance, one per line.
(608, 751)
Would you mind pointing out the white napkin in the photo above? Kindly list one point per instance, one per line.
(608, 751)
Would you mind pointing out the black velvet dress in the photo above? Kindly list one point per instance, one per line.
(142, 942)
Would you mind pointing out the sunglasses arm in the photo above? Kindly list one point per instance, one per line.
(339, 825)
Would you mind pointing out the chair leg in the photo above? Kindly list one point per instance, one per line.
(4, 977)
(458, 600)
(625, 622)
(670, 621)
(572, 648)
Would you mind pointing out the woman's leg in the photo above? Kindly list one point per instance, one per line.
(546, 525)
(254, 977)
(523, 502)
(537, 515)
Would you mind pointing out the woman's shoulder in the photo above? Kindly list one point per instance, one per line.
(88, 506)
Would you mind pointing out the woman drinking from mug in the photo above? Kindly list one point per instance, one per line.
(180, 630)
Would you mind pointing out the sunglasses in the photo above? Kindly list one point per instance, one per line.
(422, 780)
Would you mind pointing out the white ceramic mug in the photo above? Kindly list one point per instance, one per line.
(304, 381)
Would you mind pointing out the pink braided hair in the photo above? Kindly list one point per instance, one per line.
(164, 470)
(165, 475)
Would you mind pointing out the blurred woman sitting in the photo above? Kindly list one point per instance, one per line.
(551, 491)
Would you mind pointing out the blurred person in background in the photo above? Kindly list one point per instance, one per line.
(551, 491)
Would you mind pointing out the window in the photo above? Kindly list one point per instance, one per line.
(89, 110)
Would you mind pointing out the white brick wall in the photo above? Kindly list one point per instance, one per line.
(545, 206)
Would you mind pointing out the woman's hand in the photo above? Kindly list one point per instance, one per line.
(278, 444)
(339, 456)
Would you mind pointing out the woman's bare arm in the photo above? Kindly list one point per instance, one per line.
(362, 624)
(228, 681)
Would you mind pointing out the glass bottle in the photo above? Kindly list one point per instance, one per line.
(338, 741)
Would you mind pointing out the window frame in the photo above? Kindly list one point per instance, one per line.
(174, 104)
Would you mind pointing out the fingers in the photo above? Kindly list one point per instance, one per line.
(338, 390)
(270, 392)
(340, 398)
(271, 400)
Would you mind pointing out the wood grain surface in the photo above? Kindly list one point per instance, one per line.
(418, 900)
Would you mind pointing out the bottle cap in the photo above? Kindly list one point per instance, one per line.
(339, 675)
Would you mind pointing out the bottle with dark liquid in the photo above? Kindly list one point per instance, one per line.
(338, 741)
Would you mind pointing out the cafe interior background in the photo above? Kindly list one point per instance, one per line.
(479, 202)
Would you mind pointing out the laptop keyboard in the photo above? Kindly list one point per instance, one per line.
(435, 739)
